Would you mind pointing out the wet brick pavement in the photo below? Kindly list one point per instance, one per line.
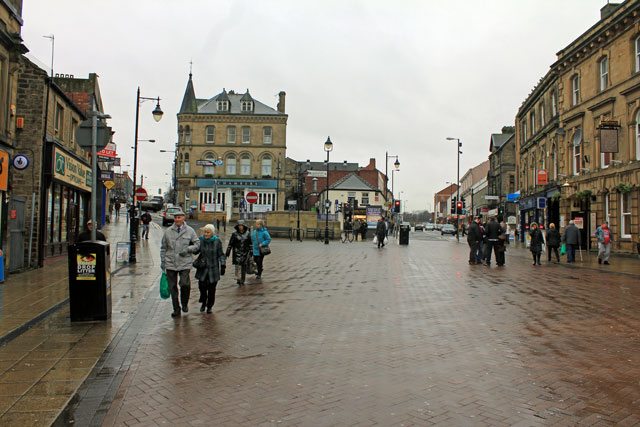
(346, 334)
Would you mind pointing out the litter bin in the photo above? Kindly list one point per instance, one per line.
(89, 281)
(405, 228)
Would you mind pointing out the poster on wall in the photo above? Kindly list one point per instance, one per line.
(86, 266)
(373, 215)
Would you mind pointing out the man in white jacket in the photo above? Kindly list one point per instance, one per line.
(178, 243)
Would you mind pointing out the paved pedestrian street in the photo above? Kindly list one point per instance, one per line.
(346, 334)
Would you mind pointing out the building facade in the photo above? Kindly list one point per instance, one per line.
(230, 145)
(501, 177)
(469, 187)
(442, 204)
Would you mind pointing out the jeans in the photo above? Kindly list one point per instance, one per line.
(571, 252)
(145, 230)
(604, 251)
(473, 252)
(185, 287)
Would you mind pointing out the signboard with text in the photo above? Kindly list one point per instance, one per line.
(542, 177)
(70, 171)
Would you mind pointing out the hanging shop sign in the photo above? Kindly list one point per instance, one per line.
(70, 171)
(542, 177)
(609, 136)
(4, 170)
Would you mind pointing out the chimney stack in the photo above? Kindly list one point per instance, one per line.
(608, 9)
(281, 96)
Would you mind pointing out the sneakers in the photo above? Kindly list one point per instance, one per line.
(258, 277)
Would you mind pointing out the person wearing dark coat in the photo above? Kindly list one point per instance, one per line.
(210, 265)
(493, 232)
(553, 242)
(86, 234)
(474, 237)
(501, 246)
(536, 243)
(572, 239)
(381, 232)
(240, 244)
(363, 230)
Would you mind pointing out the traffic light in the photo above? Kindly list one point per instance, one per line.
(464, 202)
(396, 206)
(459, 208)
(453, 204)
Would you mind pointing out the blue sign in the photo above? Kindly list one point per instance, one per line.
(236, 183)
(542, 202)
(513, 197)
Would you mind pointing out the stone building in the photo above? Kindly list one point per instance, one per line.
(469, 187)
(592, 152)
(229, 145)
(442, 204)
(501, 177)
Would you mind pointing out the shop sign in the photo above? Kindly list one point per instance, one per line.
(109, 151)
(511, 220)
(542, 177)
(579, 222)
(317, 174)
(70, 171)
(542, 202)
(260, 208)
(4, 170)
(86, 269)
(106, 175)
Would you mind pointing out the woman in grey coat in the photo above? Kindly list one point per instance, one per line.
(210, 265)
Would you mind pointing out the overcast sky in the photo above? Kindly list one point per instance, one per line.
(374, 75)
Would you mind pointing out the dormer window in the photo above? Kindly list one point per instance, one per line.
(247, 106)
(223, 105)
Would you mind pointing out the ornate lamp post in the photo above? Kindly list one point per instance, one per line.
(328, 146)
(133, 230)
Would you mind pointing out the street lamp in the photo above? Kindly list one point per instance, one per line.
(458, 152)
(392, 171)
(300, 174)
(396, 164)
(174, 198)
(328, 146)
(157, 115)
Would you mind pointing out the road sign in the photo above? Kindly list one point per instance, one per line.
(205, 163)
(252, 197)
(542, 202)
(141, 193)
(109, 184)
(20, 162)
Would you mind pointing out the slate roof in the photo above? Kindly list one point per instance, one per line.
(352, 182)
(189, 102)
(499, 139)
(210, 106)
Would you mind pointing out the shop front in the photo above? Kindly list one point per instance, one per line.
(67, 203)
(228, 196)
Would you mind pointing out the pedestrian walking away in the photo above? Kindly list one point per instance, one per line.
(572, 240)
(86, 234)
(604, 237)
(260, 239)
(553, 242)
(178, 243)
(363, 230)
(474, 236)
(117, 209)
(381, 232)
(146, 219)
(240, 244)
(210, 265)
(536, 243)
(501, 245)
(493, 231)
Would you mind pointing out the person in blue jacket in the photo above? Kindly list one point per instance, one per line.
(260, 238)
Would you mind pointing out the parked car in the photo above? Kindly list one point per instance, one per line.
(418, 227)
(167, 215)
(153, 204)
(429, 226)
(438, 227)
(448, 229)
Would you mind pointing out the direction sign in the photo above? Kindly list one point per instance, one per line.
(252, 197)
(109, 184)
(141, 193)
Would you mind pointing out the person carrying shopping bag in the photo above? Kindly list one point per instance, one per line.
(260, 239)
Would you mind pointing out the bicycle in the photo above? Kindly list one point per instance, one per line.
(346, 236)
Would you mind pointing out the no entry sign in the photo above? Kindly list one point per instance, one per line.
(252, 197)
(141, 193)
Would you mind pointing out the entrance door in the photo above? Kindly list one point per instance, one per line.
(16, 233)
(584, 232)
(72, 222)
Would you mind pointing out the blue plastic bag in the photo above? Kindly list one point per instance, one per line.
(164, 286)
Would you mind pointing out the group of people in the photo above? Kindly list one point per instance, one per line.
(180, 242)
(483, 239)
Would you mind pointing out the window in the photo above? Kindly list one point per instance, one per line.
(607, 207)
(603, 65)
(185, 164)
(554, 104)
(575, 90)
(231, 165)
(267, 133)
(637, 50)
(532, 119)
(211, 134)
(180, 134)
(542, 114)
(187, 135)
(231, 134)
(638, 135)
(74, 129)
(524, 131)
(246, 134)
(365, 198)
(209, 170)
(223, 105)
(58, 121)
(554, 162)
(266, 166)
(512, 183)
(625, 215)
(245, 165)
(577, 155)
(246, 106)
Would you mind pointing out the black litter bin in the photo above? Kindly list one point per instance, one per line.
(405, 228)
(89, 281)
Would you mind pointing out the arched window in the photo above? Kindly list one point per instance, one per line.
(577, 151)
(187, 135)
(185, 164)
(231, 164)
(180, 134)
(210, 136)
(209, 170)
(266, 166)
(245, 165)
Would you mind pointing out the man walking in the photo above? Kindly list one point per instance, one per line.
(572, 239)
(381, 232)
(603, 234)
(146, 220)
(178, 243)
(493, 236)
(117, 208)
(473, 239)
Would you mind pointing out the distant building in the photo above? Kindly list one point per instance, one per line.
(468, 190)
(442, 204)
(501, 177)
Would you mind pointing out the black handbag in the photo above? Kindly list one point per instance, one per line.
(265, 250)
(199, 263)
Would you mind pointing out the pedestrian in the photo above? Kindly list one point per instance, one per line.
(553, 242)
(603, 234)
(536, 243)
(501, 245)
(260, 239)
(217, 223)
(572, 240)
(110, 208)
(381, 232)
(240, 244)
(146, 219)
(178, 243)
(474, 236)
(493, 231)
(86, 234)
(356, 229)
(210, 265)
(363, 230)
(118, 208)
(482, 242)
